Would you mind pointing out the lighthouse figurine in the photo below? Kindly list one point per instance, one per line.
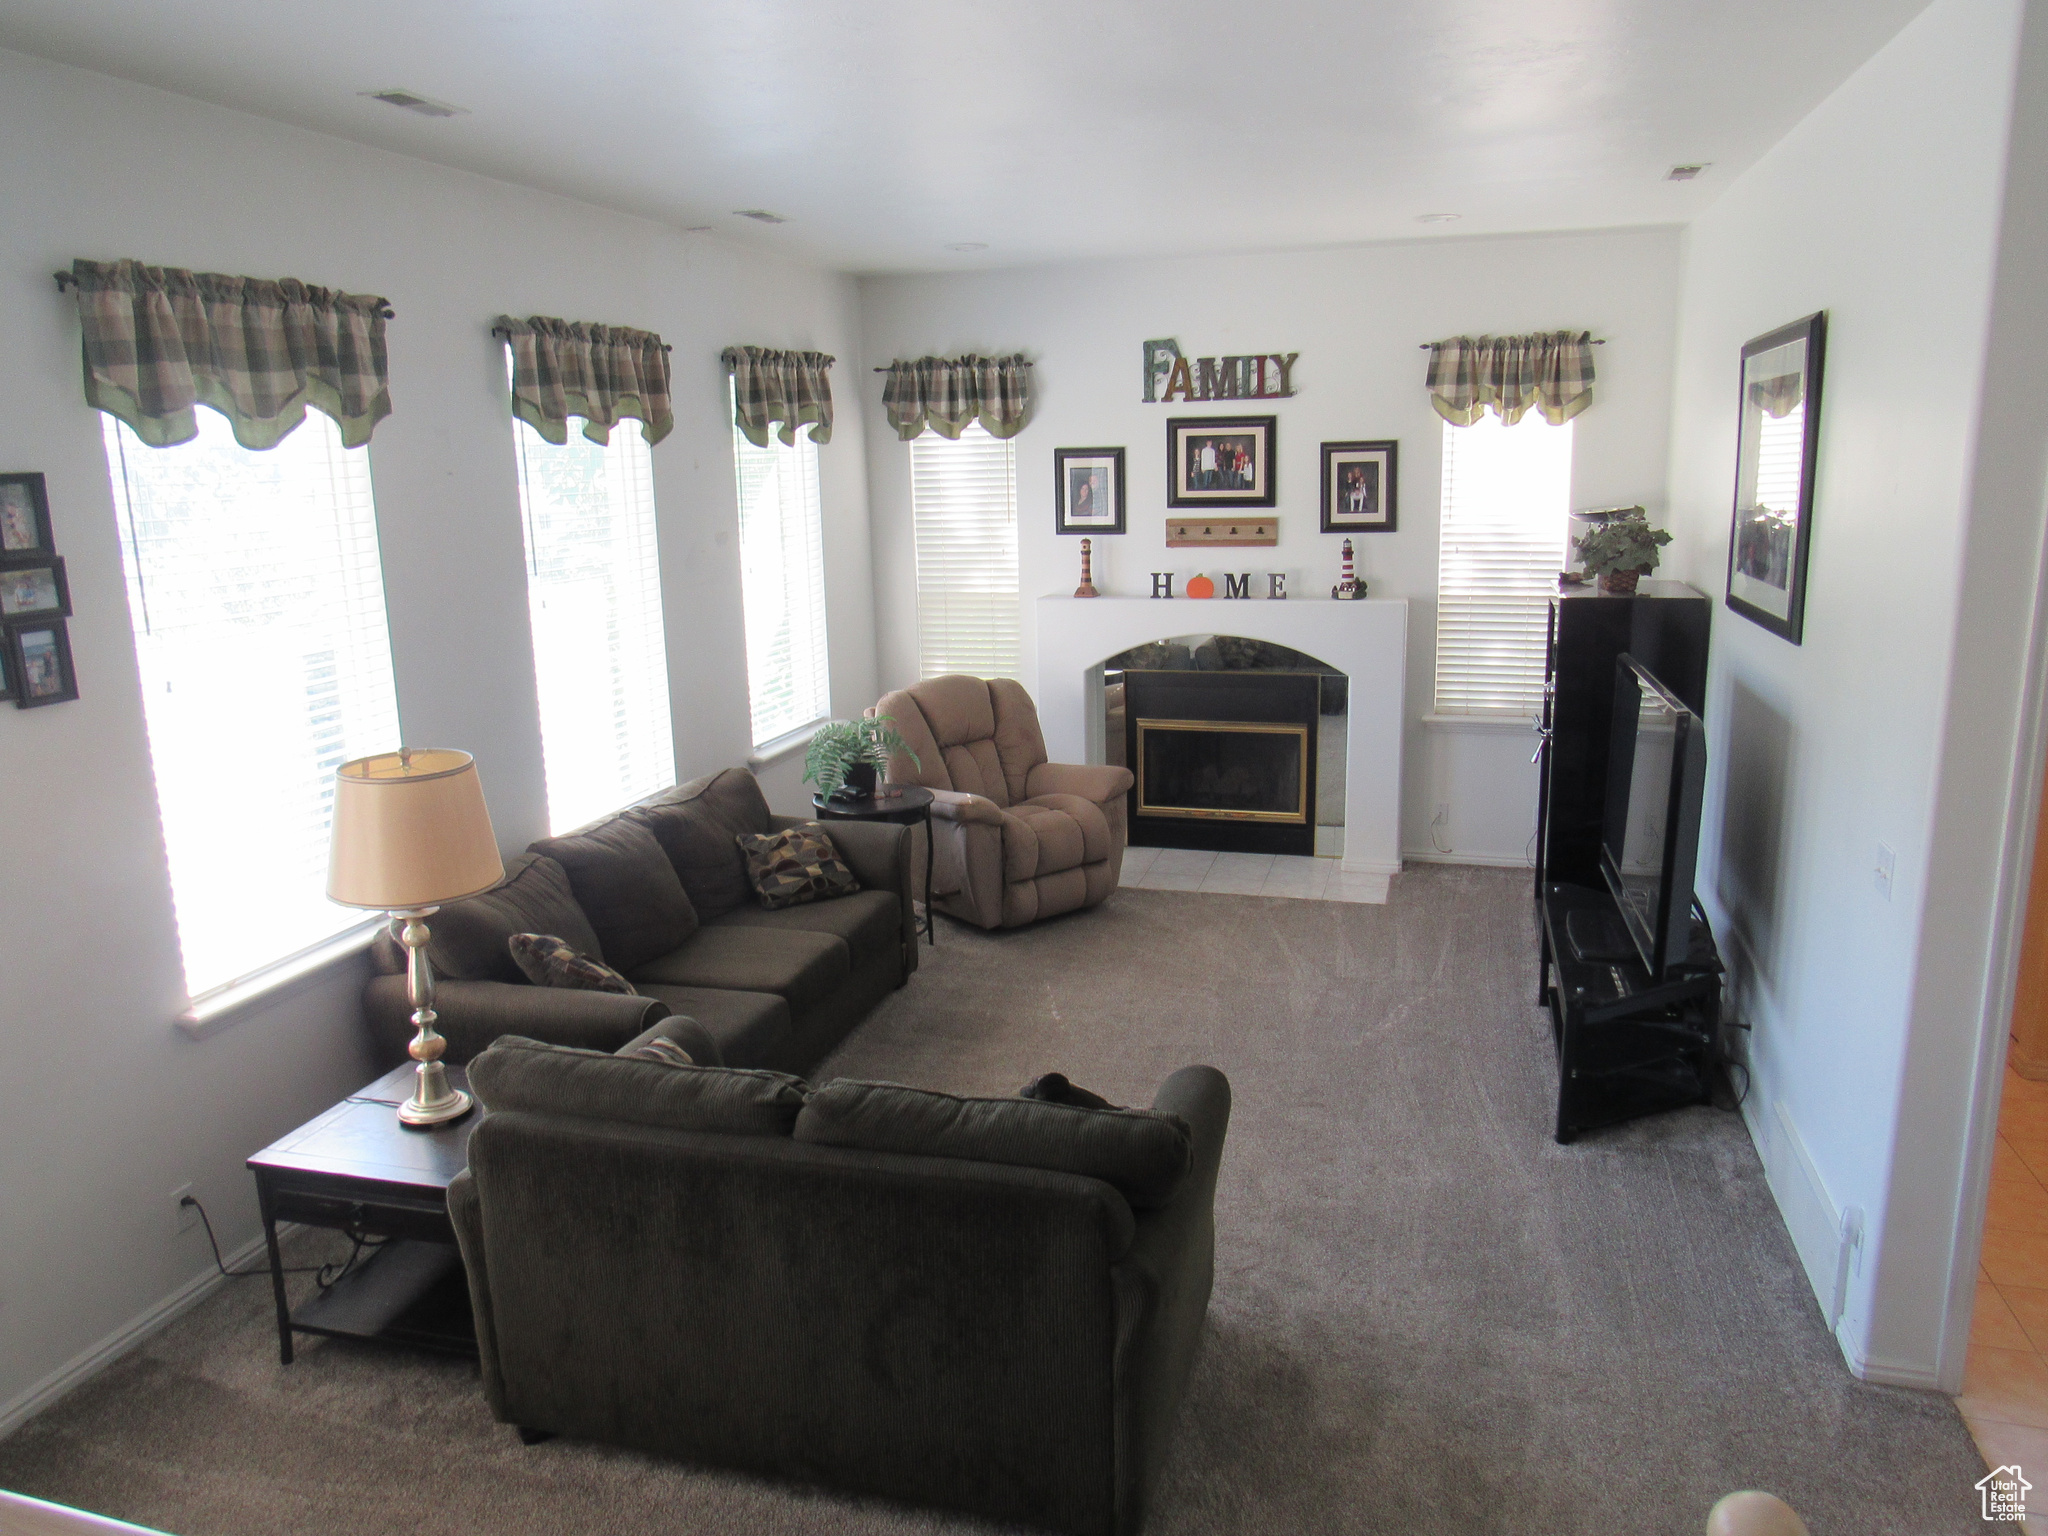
(1087, 587)
(1350, 589)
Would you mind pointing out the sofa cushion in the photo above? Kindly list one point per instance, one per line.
(867, 920)
(1144, 1154)
(467, 938)
(521, 1074)
(696, 824)
(627, 887)
(799, 967)
(748, 1029)
(1053, 833)
(548, 962)
(661, 1049)
(797, 865)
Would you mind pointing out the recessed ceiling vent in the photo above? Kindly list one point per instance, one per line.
(412, 101)
(1686, 172)
(760, 215)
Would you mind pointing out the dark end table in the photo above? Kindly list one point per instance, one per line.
(907, 807)
(357, 1169)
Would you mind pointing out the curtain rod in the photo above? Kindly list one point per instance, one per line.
(1425, 346)
(499, 330)
(892, 367)
(66, 280)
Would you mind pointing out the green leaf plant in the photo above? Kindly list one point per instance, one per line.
(838, 745)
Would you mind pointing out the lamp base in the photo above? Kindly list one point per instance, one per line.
(453, 1107)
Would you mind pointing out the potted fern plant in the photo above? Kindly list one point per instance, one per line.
(1621, 551)
(846, 757)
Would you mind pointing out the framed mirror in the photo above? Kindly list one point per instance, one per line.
(1775, 446)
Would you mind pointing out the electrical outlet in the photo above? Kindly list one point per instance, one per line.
(1887, 862)
(188, 1215)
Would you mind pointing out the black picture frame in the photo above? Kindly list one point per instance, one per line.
(1254, 484)
(25, 514)
(18, 590)
(1376, 463)
(1771, 524)
(41, 671)
(1095, 475)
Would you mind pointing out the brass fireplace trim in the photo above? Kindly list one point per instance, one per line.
(1256, 727)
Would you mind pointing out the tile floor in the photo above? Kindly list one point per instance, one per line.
(2005, 1381)
(1251, 874)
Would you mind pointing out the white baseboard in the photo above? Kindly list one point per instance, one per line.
(82, 1367)
(1484, 860)
(1887, 1372)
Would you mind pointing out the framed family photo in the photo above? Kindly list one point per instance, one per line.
(1088, 489)
(1220, 461)
(39, 663)
(1776, 445)
(1358, 487)
(34, 590)
(24, 516)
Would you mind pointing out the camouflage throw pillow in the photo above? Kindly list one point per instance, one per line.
(661, 1048)
(796, 866)
(548, 962)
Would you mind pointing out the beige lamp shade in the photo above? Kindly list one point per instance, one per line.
(410, 830)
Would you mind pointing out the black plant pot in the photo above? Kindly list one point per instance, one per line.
(861, 783)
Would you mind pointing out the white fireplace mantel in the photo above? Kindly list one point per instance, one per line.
(1366, 641)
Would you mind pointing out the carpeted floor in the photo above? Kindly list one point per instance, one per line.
(1428, 1317)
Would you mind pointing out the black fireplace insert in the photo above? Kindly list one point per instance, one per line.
(1223, 760)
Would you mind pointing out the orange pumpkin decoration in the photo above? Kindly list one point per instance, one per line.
(1201, 586)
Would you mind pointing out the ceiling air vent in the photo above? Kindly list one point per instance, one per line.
(760, 215)
(412, 101)
(1685, 172)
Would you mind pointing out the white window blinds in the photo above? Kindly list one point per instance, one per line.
(782, 579)
(1506, 501)
(258, 605)
(963, 497)
(593, 593)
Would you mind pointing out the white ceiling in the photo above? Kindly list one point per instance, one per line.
(1047, 129)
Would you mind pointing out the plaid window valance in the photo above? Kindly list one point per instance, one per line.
(1552, 370)
(160, 341)
(946, 393)
(603, 373)
(769, 386)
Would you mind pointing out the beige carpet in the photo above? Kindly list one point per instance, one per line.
(1428, 1317)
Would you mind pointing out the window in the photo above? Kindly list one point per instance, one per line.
(782, 580)
(258, 605)
(593, 593)
(963, 501)
(1507, 497)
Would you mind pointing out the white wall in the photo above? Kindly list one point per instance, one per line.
(1882, 208)
(104, 1106)
(1357, 317)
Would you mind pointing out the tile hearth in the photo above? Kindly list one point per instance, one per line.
(1248, 874)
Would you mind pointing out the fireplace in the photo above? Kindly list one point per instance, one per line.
(1222, 760)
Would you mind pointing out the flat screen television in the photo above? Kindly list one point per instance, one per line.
(1656, 777)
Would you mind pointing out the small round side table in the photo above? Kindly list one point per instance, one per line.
(906, 807)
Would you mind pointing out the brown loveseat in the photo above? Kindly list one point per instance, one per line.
(659, 891)
(1014, 837)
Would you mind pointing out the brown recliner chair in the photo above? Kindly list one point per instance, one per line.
(1014, 837)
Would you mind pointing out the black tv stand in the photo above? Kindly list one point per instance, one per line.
(1628, 1043)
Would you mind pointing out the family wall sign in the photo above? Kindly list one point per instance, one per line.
(1255, 376)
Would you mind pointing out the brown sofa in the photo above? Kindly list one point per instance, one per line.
(1014, 837)
(659, 891)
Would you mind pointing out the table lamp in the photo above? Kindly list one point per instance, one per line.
(411, 832)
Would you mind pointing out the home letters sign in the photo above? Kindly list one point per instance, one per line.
(1255, 376)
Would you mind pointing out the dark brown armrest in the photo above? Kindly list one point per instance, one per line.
(474, 1013)
(686, 1032)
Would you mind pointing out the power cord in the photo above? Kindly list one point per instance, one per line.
(326, 1276)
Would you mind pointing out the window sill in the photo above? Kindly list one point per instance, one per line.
(1500, 725)
(771, 752)
(213, 1011)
